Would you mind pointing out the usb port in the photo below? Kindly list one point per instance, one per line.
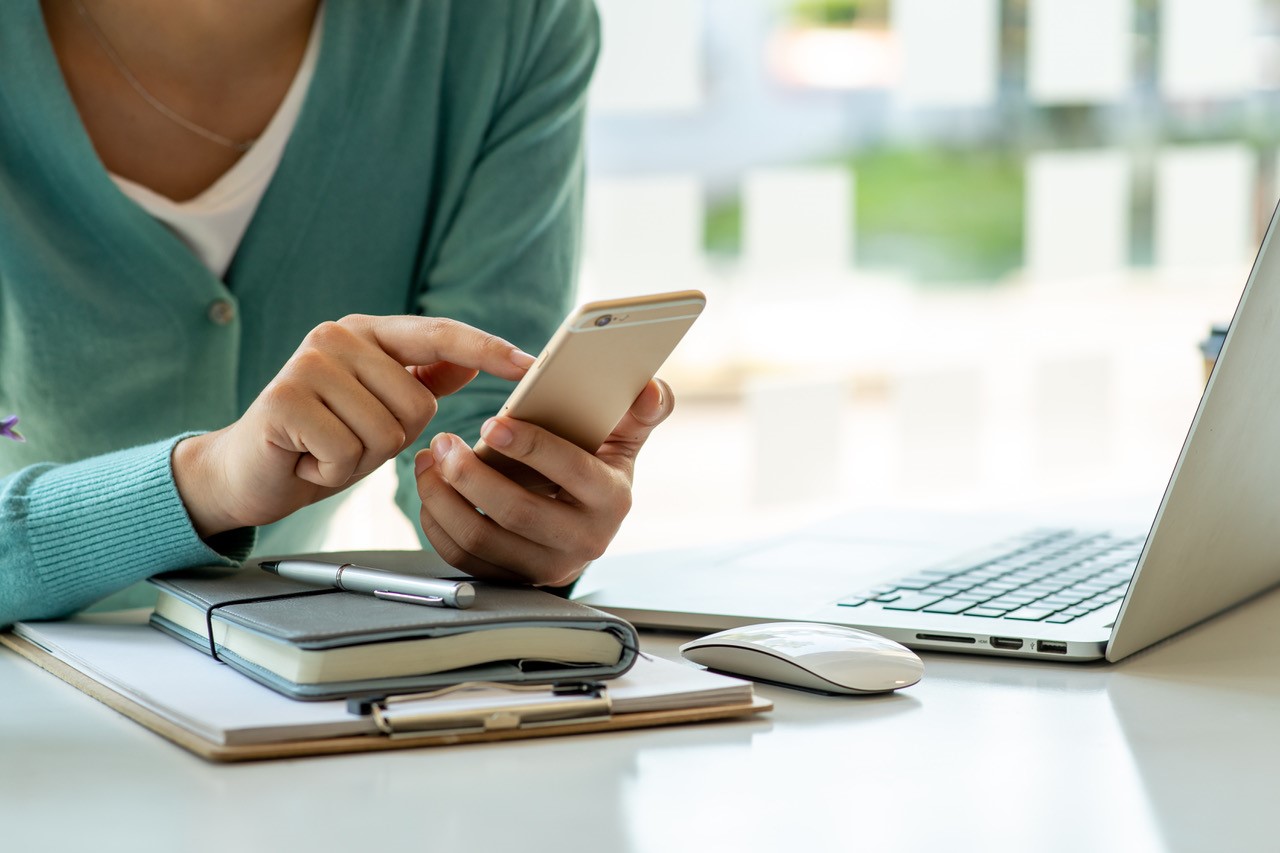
(1010, 643)
(1053, 648)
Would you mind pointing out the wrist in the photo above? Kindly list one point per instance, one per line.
(197, 486)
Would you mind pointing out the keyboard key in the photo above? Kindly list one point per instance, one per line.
(1110, 612)
(913, 601)
(1029, 614)
(916, 582)
(1061, 618)
(950, 586)
(1059, 601)
(949, 606)
(1053, 574)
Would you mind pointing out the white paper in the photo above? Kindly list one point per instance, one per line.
(219, 704)
(949, 50)
(1079, 51)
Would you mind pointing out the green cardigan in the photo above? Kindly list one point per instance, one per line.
(436, 168)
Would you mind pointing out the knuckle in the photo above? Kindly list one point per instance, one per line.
(436, 326)
(624, 501)
(326, 335)
(589, 546)
(580, 467)
(563, 577)
(451, 553)
(282, 395)
(309, 361)
(349, 450)
(421, 409)
(493, 344)
(522, 515)
(355, 322)
(470, 535)
(387, 443)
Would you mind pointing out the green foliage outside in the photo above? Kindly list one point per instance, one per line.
(935, 215)
(836, 13)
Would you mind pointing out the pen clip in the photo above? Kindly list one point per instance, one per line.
(409, 598)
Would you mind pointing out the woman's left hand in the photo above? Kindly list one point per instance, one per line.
(520, 535)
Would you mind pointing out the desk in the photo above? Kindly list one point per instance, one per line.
(1177, 748)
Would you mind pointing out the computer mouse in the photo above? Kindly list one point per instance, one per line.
(809, 655)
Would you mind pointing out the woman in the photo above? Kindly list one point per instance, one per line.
(245, 250)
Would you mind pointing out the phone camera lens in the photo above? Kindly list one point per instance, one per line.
(605, 320)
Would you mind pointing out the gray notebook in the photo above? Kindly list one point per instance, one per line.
(329, 643)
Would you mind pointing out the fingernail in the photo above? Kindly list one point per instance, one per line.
(522, 359)
(441, 445)
(662, 394)
(423, 460)
(495, 434)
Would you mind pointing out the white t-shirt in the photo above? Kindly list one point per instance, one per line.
(213, 223)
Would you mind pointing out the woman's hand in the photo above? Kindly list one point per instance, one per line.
(519, 535)
(356, 393)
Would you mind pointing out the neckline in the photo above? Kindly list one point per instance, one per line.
(266, 152)
(53, 124)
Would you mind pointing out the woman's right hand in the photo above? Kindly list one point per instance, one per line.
(356, 393)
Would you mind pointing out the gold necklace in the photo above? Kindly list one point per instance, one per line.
(101, 38)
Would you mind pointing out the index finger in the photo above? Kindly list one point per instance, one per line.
(419, 341)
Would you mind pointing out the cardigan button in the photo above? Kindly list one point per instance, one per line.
(221, 311)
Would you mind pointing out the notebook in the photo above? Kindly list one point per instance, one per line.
(213, 711)
(329, 643)
(994, 585)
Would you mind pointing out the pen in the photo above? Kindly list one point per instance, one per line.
(391, 586)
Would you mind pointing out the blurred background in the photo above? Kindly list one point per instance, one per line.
(958, 253)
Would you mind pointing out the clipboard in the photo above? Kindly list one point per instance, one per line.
(543, 715)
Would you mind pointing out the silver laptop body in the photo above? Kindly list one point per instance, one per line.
(1214, 542)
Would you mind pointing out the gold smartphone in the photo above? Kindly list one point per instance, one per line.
(592, 370)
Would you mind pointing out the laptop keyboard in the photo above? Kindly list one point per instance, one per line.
(1052, 576)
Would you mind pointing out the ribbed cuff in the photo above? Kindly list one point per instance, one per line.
(98, 525)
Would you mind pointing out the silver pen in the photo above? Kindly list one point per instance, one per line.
(392, 586)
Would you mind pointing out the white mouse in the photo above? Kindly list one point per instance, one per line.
(809, 655)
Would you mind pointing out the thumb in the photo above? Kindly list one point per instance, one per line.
(653, 406)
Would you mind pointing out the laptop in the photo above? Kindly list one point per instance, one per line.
(998, 585)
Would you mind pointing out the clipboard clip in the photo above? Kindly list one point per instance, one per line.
(517, 706)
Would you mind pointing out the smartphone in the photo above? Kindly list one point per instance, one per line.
(592, 370)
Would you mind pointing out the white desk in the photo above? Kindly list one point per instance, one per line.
(1175, 749)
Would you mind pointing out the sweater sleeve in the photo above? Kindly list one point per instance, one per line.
(71, 534)
(508, 262)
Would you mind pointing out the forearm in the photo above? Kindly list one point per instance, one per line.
(71, 534)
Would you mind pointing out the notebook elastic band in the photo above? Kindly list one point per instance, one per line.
(208, 613)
